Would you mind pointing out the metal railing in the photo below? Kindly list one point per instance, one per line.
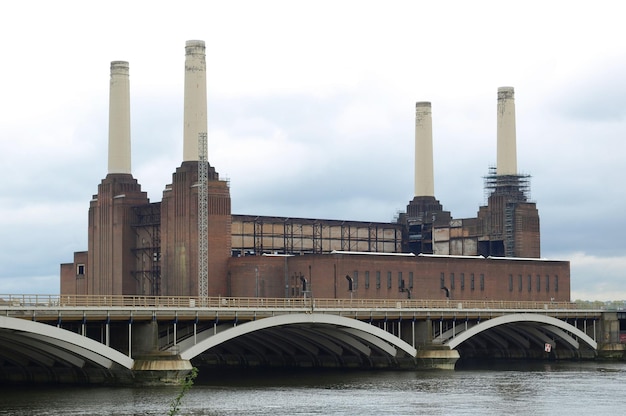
(88, 301)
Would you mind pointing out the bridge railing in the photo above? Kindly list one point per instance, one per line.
(63, 301)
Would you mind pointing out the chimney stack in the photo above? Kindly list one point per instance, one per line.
(507, 157)
(119, 119)
(195, 116)
(424, 182)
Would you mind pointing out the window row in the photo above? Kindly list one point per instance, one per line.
(461, 281)
(400, 282)
(537, 283)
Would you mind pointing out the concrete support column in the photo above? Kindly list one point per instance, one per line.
(152, 365)
(195, 116)
(145, 337)
(436, 357)
(119, 119)
(507, 153)
(424, 176)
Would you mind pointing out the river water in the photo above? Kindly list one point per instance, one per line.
(597, 388)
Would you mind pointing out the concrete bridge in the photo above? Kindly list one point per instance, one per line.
(124, 339)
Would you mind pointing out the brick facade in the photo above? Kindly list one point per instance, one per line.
(74, 275)
(111, 238)
(179, 233)
(398, 277)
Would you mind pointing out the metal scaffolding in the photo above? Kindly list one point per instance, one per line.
(203, 226)
(515, 187)
(257, 235)
(506, 192)
(147, 226)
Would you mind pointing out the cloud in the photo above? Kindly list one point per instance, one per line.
(311, 114)
(597, 277)
(30, 285)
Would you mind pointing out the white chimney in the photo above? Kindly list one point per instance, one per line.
(424, 182)
(119, 119)
(195, 116)
(507, 156)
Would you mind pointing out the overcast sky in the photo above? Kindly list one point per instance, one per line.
(311, 114)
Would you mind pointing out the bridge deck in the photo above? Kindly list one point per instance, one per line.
(97, 338)
(120, 308)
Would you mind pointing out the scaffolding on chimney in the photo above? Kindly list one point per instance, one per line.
(509, 236)
(203, 226)
(515, 187)
(511, 190)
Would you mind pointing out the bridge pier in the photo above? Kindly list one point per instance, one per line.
(610, 346)
(419, 334)
(436, 357)
(151, 365)
(160, 368)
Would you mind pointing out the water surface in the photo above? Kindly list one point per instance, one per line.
(514, 389)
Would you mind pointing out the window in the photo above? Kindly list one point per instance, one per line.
(462, 281)
(442, 281)
(530, 283)
(472, 281)
(400, 282)
(482, 281)
(538, 283)
(451, 280)
(377, 279)
(367, 279)
(547, 283)
(510, 283)
(410, 280)
(556, 283)
(520, 283)
(80, 269)
(388, 280)
(355, 280)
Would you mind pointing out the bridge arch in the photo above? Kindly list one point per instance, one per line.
(535, 326)
(338, 337)
(57, 353)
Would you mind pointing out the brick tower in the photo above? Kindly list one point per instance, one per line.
(424, 210)
(110, 259)
(510, 221)
(179, 206)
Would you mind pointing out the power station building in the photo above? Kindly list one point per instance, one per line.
(190, 244)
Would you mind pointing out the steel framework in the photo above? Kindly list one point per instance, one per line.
(203, 226)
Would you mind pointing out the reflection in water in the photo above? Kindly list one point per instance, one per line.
(520, 389)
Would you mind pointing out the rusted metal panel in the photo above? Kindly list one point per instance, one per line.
(456, 247)
(442, 248)
(442, 234)
(456, 232)
(470, 247)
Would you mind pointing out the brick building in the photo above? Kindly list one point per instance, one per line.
(190, 244)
